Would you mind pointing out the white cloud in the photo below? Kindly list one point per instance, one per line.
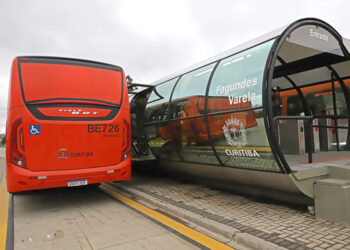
(154, 18)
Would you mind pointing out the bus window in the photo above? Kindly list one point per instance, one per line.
(43, 81)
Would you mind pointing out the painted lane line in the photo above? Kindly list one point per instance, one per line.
(4, 205)
(190, 233)
(2, 173)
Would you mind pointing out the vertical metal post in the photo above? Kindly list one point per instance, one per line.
(309, 137)
(335, 111)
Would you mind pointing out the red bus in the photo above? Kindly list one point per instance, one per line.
(193, 106)
(68, 124)
(319, 98)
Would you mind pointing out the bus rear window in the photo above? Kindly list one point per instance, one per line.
(56, 81)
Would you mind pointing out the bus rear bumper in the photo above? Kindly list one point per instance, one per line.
(20, 179)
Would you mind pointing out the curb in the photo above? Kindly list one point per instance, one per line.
(229, 233)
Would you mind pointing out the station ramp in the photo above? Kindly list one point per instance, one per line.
(329, 186)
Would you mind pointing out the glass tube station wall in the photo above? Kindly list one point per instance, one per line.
(249, 107)
(214, 114)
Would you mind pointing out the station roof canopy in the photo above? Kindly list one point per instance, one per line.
(261, 39)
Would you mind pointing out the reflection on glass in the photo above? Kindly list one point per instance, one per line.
(239, 138)
(240, 141)
(193, 83)
(190, 134)
(238, 78)
(191, 138)
(161, 93)
(160, 142)
(188, 97)
(157, 112)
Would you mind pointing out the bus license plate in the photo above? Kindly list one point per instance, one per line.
(77, 183)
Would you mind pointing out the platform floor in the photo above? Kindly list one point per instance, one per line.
(283, 225)
(320, 159)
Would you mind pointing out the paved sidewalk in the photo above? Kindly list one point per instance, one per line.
(279, 224)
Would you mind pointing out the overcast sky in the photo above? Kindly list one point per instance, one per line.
(149, 39)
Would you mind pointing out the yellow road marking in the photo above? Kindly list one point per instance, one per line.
(4, 206)
(184, 230)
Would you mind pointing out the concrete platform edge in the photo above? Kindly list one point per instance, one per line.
(247, 241)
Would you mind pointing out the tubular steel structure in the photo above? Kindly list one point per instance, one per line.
(273, 113)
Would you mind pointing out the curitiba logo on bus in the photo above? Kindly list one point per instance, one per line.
(236, 136)
(64, 154)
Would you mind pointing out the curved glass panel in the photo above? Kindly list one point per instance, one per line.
(191, 140)
(237, 81)
(157, 105)
(191, 86)
(190, 134)
(158, 135)
(240, 140)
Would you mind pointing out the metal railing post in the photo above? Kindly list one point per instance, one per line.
(309, 137)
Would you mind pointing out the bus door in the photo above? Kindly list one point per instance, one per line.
(139, 143)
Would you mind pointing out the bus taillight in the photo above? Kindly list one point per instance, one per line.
(17, 158)
(21, 140)
(126, 138)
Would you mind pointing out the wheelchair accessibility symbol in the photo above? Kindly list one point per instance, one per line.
(34, 129)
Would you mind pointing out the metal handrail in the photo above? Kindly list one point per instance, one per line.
(309, 126)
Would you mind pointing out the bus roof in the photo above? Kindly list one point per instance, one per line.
(72, 61)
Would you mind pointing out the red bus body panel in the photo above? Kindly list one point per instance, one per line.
(72, 124)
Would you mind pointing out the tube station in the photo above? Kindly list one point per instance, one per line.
(269, 117)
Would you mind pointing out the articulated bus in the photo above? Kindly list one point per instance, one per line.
(68, 124)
